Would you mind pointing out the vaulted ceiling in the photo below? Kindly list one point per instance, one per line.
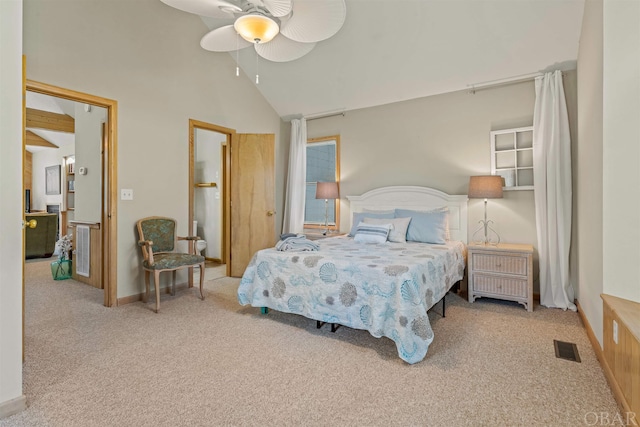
(49, 122)
(395, 50)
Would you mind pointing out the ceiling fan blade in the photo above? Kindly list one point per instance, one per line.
(282, 49)
(278, 8)
(223, 39)
(211, 8)
(314, 21)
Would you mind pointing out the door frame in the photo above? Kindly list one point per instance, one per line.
(226, 168)
(109, 185)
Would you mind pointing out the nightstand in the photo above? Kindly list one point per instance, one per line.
(503, 271)
(318, 235)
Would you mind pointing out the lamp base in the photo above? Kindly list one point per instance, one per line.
(484, 225)
(326, 217)
(486, 240)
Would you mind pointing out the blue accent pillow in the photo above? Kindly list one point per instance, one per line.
(372, 233)
(358, 217)
(426, 226)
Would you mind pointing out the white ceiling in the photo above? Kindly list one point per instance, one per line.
(395, 50)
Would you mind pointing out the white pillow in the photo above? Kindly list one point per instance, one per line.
(372, 233)
(398, 232)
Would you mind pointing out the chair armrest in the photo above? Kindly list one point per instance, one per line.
(192, 239)
(149, 246)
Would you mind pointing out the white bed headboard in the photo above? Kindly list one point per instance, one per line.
(416, 198)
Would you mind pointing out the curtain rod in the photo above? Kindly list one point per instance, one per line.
(324, 116)
(502, 82)
(506, 81)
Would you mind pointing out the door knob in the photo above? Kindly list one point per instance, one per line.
(270, 213)
(32, 223)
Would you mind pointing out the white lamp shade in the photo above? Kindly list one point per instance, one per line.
(327, 190)
(256, 28)
(485, 187)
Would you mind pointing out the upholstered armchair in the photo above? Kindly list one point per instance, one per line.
(159, 241)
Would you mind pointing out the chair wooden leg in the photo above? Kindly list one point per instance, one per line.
(201, 280)
(156, 280)
(145, 296)
(173, 284)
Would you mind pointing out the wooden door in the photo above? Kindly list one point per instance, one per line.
(252, 198)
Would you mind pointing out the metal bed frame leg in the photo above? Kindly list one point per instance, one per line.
(334, 326)
(444, 298)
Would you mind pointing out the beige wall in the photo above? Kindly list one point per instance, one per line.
(608, 176)
(438, 141)
(621, 149)
(11, 398)
(88, 154)
(588, 168)
(146, 56)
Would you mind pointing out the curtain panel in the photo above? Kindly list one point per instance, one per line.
(293, 221)
(552, 188)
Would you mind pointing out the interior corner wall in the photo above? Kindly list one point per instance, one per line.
(439, 141)
(588, 170)
(621, 149)
(146, 56)
(11, 215)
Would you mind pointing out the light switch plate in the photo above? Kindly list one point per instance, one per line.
(126, 194)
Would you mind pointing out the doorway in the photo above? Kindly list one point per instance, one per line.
(108, 168)
(209, 172)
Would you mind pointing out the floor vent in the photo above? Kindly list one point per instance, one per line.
(82, 256)
(566, 350)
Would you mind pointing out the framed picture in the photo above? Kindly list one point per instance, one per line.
(52, 180)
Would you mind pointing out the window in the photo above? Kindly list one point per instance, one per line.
(512, 157)
(323, 165)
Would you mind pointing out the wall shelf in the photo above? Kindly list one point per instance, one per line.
(512, 157)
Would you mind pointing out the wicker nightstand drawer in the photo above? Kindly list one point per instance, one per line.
(502, 271)
(500, 285)
(500, 263)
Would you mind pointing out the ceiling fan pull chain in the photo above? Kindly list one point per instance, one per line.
(257, 74)
(237, 55)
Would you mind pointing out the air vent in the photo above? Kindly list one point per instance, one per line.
(566, 350)
(82, 250)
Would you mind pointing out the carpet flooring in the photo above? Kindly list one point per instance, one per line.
(216, 363)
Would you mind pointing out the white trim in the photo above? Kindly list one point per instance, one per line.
(13, 406)
(417, 198)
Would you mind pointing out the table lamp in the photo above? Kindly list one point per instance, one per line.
(485, 187)
(326, 191)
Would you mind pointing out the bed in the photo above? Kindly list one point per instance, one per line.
(383, 288)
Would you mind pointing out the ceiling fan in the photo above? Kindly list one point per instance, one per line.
(279, 30)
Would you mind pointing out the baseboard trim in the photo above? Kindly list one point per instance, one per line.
(129, 299)
(138, 297)
(608, 373)
(13, 406)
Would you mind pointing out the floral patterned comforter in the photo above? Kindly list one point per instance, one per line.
(384, 288)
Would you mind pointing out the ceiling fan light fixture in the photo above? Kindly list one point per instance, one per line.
(256, 28)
